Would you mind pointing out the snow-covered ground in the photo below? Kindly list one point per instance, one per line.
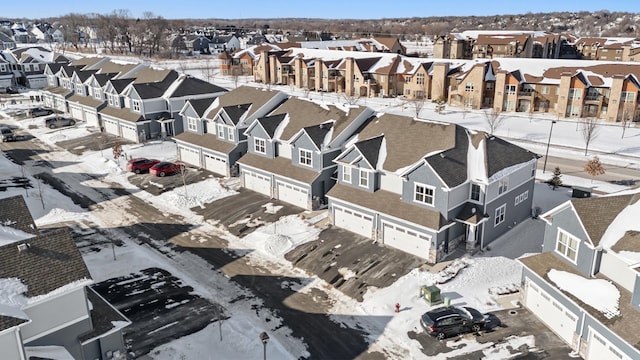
(270, 242)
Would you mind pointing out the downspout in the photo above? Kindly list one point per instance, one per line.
(577, 352)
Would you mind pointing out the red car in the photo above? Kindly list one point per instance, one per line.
(166, 168)
(139, 165)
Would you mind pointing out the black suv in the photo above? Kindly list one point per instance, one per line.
(450, 320)
(40, 112)
(58, 121)
(6, 134)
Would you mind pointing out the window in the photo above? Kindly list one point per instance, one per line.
(407, 79)
(114, 100)
(97, 93)
(346, 173)
(499, 219)
(260, 145)
(192, 124)
(364, 178)
(503, 185)
(305, 157)
(135, 105)
(231, 134)
(407, 91)
(424, 194)
(545, 90)
(575, 94)
(489, 86)
(420, 79)
(510, 89)
(627, 96)
(567, 245)
(468, 87)
(521, 198)
(220, 128)
(475, 192)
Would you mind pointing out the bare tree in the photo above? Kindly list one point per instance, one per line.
(627, 116)
(590, 130)
(594, 167)
(494, 119)
(350, 99)
(208, 71)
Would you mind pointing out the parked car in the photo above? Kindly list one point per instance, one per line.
(166, 168)
(12, 90)
(451, 320)
(139, 165)
(40, 112)
(7, 134)
(58, 121)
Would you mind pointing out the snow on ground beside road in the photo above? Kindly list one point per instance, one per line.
(196, 194)
(161, 150)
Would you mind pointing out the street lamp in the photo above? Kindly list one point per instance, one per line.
(546, 155)
(264, 337)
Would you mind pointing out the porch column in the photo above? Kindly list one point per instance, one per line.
(471, 237)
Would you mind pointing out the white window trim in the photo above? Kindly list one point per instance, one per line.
(360, 178)
(230, 134)
(136, 104)
(500, 209)
(346, 174)
(220, 131)
(308, 156)
(426, 187)
(479, 192)
(569, 237)
(192, 123)
(503, 184)
(259, 142)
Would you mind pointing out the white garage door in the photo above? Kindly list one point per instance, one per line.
(215, 163)
(292, 194)
(557, 317)
(129, 132)
(353, 221)
(258, 183)
(76, 112)
(601, 348)
(92, 118)
(190, 156)
(60, 105)
(111, 127)
(406, 240)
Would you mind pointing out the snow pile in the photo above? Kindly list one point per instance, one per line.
(9, 234)
(58, 215)
(507, 349)
(476, 169)
(597, 293)
(275, 240)
(70, 286)
(271, 209)
(12, 298)
(452, 270)
(196, 194)
(47, 352)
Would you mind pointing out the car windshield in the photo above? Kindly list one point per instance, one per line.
(6, 130)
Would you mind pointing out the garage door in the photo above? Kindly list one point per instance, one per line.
(292, 194)
(190, 156)
(406, 240)
(111, 127)
(353, 221)
(76, 112)
(92, 118)
(258, 183)
(601, 348)
(129, 132)
(215, 163)
(60, 105)
(557, 317)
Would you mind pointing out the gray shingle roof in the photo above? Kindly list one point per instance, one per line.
(596, 214)
(270, 123)
(15, 213)
(201, 105)
(150, 90)
(244, 95)
(502, 154)
(370, 149)
(51, 261)
(235, 112)
(280, 166)
(120, 84)
(194, 86)
(317, 133)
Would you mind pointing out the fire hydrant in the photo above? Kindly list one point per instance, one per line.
(397, 307)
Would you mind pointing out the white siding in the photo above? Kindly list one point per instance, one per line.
(391, 182)
(284, 150)
(55, 312)
(616, 269)
(10, 346)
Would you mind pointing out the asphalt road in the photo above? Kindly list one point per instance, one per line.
(628, 175)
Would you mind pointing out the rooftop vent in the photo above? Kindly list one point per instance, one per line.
(23, 247)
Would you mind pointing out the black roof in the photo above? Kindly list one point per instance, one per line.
(155, 89)
(317, 133)
(103, 78)
(201, 105)
(85, 74)
(451, 164)
(15, 213)
(195, 86)
(120, 84)
(370, 149)
(235, 112)
(270, 123)
(502, 154)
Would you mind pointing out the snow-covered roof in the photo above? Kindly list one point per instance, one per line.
(601, 294)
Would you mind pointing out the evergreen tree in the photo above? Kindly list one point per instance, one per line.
(555, 180)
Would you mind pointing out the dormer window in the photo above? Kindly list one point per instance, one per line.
(475, 192)
(424, 194)
(567, 245)
(260, 146)
(306, 157)
(346, 174)
(364, 178)
(230, 134)
(192, 124)
(114, 100)
(135, 105)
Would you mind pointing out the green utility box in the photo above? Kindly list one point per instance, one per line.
(431, 294)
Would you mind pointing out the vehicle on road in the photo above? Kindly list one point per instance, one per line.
(7, 134)
(39, 111)
(166, 168)
(452, 320)
(58, 121)
(140, 165)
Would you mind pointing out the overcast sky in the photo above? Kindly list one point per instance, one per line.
(333, 9)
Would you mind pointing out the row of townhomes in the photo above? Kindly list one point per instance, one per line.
(585, 285)
(48, 309)
(25, 66)
(566, 88)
